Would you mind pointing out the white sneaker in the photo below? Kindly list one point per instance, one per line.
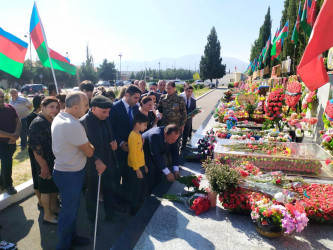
(4, 245)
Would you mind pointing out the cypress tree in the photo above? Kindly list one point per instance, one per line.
(211, 66)
(264, 33)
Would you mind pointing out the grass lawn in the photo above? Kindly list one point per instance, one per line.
(21, 166)
(200, 92)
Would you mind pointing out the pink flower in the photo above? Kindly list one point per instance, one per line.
(327, 139)
(303, 115)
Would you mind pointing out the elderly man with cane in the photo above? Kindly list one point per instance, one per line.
(99, 133)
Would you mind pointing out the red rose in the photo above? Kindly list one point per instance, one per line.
(278, 181)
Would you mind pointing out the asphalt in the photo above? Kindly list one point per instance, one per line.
(22, 222)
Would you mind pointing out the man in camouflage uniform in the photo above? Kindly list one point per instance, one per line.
(172, 107)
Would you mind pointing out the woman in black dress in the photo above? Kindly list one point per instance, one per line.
(36, 102)
(40, 141)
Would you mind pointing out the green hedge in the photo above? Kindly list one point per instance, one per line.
(231, 85)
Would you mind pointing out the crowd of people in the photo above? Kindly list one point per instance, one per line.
(130, 143)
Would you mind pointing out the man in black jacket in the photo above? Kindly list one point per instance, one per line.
(157, 142)
(99, 133)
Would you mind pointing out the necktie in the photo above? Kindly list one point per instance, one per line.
(188, 103)
(130, 115)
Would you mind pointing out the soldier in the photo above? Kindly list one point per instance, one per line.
(172, 107)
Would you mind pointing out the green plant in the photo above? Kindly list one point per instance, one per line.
(231, 85)
(220, 176)
(201, 86)
(180, 88)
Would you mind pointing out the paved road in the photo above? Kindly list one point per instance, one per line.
(22, 222)
(207, 103)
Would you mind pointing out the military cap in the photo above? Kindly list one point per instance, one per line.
(101, 102)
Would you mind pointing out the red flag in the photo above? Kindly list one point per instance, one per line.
(312, 14)
(311, 68)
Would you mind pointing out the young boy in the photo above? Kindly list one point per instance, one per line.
(136, 161)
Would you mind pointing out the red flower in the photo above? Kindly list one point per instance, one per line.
(278, 181)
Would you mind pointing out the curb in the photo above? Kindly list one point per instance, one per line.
(204, 94)
(23, 190)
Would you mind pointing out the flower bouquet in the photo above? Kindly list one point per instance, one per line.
(327, 140)
(197, 202)
(190, 181)
(194, 112)
(248, 169)
(228, 96)
(272, 220)
(236, 200)
(273, 109)
(293, 94)
(206, 145)
(317, 199)
(308, 100)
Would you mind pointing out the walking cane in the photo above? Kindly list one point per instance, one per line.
(99, 187)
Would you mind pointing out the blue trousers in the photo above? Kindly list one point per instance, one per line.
(23, 133)
(70, 186)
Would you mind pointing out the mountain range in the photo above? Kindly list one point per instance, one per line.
(186, 62)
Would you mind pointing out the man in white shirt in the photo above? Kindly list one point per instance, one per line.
(71, 148)
(23, 107)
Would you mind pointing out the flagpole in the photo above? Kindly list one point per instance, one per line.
(48, 52)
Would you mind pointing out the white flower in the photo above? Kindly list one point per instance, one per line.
(279, 197)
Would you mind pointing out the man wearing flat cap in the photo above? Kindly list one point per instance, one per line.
(99, 133)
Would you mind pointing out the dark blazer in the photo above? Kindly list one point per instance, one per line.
(155, 147)
(121, 127)
(120, 121)
(94, 134)
(193, 106)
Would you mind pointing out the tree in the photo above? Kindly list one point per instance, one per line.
(264, 34)
(107, 71)
(211, 62)
(132, 76)
(87, 71)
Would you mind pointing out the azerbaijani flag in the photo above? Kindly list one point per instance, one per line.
(294, 38)
(277, 46)
(306, 19)
(268, 44)
(12, 53)
(38, 38)
(312, 68)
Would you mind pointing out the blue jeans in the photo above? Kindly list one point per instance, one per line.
(70, 186)
(23, 133)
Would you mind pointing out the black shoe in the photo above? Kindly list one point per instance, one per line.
(11, 190)
(80, 241)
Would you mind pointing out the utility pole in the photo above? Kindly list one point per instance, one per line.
(120, 55)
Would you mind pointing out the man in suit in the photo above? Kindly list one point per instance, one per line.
(157, 142)
(121, 117)
(191, 105)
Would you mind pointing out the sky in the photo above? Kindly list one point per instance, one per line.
(141, 30)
